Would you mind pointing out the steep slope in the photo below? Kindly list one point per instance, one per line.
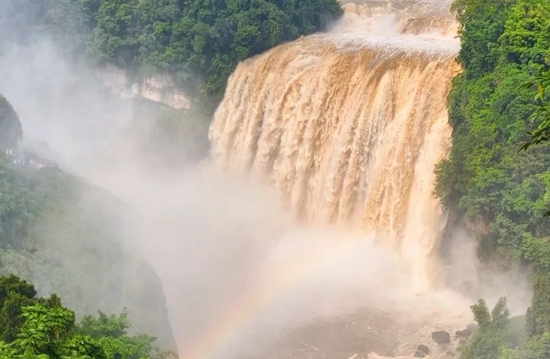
(10, 126)
(65, 236)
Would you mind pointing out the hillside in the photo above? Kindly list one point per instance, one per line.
(10, 126)
(499, 190)
(64, 235)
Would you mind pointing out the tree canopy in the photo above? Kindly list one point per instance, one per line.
(498, 108)
(490, 340)
(192, 38)
(42, 328)
(487, 178)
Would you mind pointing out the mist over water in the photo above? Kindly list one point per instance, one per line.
(317, 199)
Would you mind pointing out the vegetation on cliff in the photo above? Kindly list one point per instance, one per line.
(187, 37)
(32, 327)
(488, 178)
(10, 127)
(64, 235)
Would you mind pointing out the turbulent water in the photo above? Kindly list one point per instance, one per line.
(349, 125)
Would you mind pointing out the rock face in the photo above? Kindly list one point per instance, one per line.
(10, 126)
(441, 337)
(159, 88)
(422, 351)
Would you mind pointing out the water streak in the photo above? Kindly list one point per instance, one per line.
(348, 127)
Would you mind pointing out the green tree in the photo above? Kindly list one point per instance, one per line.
(104, 325)
(115, 38)
(538, 315)
(156, 20)
(42, 328)
(490, 341)
(213, 36)
(526, 38)
(485, 179)
(201, 41)
(542, 114)
(15, 294)
(481, 25)
(538, 347)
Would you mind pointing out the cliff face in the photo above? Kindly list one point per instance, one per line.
(10, 126)
(159, 88)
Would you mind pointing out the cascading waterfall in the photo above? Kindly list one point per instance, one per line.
(349, 125)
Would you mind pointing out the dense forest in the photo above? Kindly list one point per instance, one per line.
(492, 180)
(35, 327)
(200, 41)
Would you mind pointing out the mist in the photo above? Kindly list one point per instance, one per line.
(211, 237)
(217, 240)
(467, 274)
(221, 242)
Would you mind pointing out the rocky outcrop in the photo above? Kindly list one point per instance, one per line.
(159, 88)
(422, 351)
(479, 227)
(441, 337)
(10, 126)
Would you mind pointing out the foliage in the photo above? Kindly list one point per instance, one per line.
(486, 178)
(482, 24)
(14, 295)
(542, 113)
(497, 107)
(65, 236)
(43, 328)
(490, 341)
(526, 38)
(188, 37)
(211, 40)
(538, 347)
(19, 206)
(201, 37)
(538, 316)
(105, 325)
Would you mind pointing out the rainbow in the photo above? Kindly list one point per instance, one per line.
(258, 299)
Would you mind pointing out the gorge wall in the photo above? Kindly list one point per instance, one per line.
(159, 88)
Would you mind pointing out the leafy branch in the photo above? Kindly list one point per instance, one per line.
(541, 114)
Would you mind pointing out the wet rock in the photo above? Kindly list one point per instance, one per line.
(463, 333)
(422, 351)
(441, 337)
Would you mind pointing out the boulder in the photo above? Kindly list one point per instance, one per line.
(441, 337)
(463, 333)
(422, 351)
